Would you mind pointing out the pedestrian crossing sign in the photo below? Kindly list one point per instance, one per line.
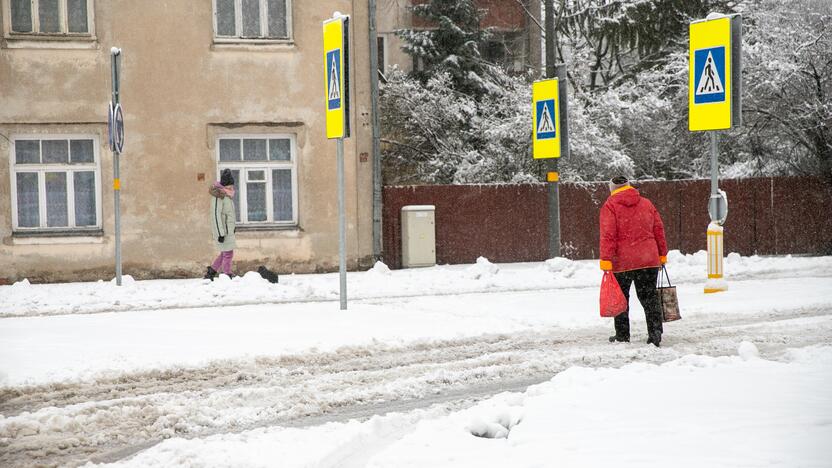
(709, 69)
(546, 141)
(336, 77)
(546, 119)
(333, 66)
(714, 73)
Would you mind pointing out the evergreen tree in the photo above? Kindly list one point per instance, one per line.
(449, 43)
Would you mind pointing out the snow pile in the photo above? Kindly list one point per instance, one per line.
(692, 412)
(484, 276)
(126, 280)
(748, 351)
(252, 278)
(558, 264)
(380, 268)
(483, 269)
(562, 267)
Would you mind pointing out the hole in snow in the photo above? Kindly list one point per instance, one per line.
(497, 427)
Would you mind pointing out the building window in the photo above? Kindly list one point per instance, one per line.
(253, 19)
(382, 53)
(55, 183)
(265, 173)
(50, 17)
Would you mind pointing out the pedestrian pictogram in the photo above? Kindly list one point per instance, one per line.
(334, 85)
(709, 66)
(546, 119)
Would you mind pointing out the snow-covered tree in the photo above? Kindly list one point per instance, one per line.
(628, 74)
(435, 134)
(449, 43)
(788, 77)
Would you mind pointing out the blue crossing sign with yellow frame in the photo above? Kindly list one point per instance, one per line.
(336, 77)
(715, 74)
(549, 119)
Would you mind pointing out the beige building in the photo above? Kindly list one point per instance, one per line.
(391, 16)
(206, 85)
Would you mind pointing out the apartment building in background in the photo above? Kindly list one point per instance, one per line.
(206, 85)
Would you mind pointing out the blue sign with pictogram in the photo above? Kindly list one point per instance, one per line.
(333, 73)
(709, 75)
(546, 119)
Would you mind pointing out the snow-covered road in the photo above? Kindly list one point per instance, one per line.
(101, 387)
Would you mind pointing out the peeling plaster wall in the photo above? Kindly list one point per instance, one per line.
(180, 91)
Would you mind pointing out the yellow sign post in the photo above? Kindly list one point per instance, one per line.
(336, 77)
(546, 133)
(337, 98)
(550, 140)
(714, 94)
(715, 103)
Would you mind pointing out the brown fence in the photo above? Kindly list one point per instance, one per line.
(508, 223)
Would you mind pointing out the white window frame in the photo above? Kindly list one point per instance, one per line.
(42, 169)
(264, 25)
(64, 19)
(267, 166)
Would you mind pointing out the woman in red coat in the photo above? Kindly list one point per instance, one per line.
(634, 248)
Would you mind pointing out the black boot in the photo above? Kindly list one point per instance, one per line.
(614, 338)
(210, 274)
(655, 341)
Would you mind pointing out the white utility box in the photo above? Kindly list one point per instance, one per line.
(418, 236)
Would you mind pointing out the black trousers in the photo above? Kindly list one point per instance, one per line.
(645, 280)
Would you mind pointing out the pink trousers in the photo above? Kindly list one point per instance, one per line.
(223, 262)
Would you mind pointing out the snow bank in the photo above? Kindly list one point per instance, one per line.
(23, 299)
(692, 412)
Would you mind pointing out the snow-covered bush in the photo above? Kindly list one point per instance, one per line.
(435, 134)
(459, 119)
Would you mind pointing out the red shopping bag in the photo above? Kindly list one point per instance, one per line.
(613, 301)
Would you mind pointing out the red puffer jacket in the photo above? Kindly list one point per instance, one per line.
(632, 232)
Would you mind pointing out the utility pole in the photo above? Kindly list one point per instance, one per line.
(371, 7)
(552, 171)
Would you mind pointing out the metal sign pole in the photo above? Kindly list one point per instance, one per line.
(337, 98)
(552, 169)
(715, 104)
(115, 56)
(714, 173)
(342, 231)
(715, 233)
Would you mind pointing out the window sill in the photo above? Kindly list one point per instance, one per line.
(253, 45)
(75, 236)
(266, 228)
(45, 41)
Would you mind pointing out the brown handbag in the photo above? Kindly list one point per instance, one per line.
(668, 298)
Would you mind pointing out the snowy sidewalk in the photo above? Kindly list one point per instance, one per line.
(24, 299)
(38, 350)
